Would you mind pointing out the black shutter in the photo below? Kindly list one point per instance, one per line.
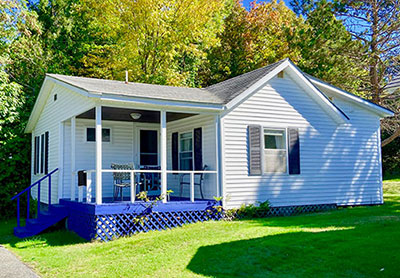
(38, 155)
(175, 153)
(255, 149)
(46, 153)
(41, 153)
(35, 153)
(198, 149)
(294, 151)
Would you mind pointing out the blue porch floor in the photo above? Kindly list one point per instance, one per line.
(121, 218)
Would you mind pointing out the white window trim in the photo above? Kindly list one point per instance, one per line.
(285, 129)
(179, 147)
(92, 142)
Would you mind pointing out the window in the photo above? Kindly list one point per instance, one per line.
(91, 134)
(186, 151)
(41, 154)
(275, 151)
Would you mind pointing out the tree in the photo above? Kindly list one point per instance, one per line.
(375, 25)
(272, 33)
(17, 24)
(268, 32)
(228, 58)
(327, 48)
(158, 41)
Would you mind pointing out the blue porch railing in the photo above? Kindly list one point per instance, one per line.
(28, 190)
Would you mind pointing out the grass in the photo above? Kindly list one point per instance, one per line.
(351, 242)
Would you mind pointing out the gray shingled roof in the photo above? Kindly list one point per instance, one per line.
(220, 93)
(395, 83)
(231, 88)
(142, 90)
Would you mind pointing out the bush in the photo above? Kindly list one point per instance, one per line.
(260, 209)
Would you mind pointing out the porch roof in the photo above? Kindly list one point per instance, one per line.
(131, 89)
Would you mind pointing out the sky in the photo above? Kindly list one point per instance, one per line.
(246, 3)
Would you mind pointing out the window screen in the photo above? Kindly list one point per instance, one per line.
(275, 151)
(91, 134)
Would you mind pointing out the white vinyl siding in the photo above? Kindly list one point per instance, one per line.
(68, 103)
(339, 163)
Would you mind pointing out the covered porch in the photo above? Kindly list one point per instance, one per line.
(167, 153)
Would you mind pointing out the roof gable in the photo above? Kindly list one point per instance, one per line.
(269, 72)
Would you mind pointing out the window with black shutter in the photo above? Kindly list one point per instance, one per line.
(35, 155)
(46, 153)
(42, 153)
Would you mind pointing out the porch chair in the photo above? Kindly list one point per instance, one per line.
(151, 181)
(198, 182)
(121, 180)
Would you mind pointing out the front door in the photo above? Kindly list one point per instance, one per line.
(148, 147)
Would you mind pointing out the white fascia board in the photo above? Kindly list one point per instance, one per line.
(158, 104)
(40, 102)
(381, 111)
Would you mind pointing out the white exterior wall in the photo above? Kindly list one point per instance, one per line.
(68, 103)
(339, 164)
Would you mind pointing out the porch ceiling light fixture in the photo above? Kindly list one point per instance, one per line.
(136, 115)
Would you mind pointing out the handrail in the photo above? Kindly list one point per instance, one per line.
(28, 190)
(33, 184)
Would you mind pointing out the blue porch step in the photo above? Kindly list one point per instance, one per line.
(46, 219)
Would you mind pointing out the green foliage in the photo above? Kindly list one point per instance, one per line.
(148, 204)
(250, 210)
(14, 162)
(327, 49)
(159, 42)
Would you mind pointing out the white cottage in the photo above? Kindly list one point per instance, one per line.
(272, 134)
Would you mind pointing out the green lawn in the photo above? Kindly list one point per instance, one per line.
(352, 242)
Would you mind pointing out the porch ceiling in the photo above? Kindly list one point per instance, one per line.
(123, 114)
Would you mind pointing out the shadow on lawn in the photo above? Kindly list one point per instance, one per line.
(350, 243)
(54, 236)
(346, 253)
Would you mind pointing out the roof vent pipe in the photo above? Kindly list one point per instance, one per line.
(126, 77)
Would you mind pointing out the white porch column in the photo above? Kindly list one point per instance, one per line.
(73, 169)
(60, 160)
(217, 153)
(98, 155)
(163, 123)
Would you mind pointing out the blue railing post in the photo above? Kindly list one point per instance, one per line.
(27, 204)
(29, 193)
(38, 199)
(18, 219)
(49, 191)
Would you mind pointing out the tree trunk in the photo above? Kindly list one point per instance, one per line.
(395, 134)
